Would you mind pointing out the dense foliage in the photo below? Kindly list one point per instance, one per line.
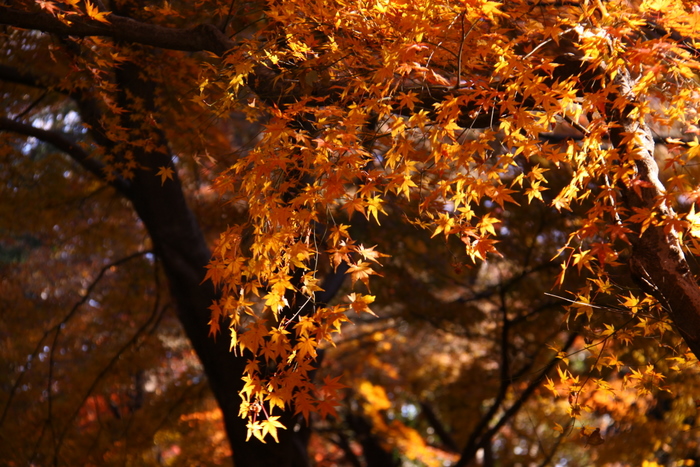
(418, 232)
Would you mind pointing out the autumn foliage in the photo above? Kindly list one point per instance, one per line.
(510, 189)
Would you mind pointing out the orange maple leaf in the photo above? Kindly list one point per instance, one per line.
(165, 173)
(93, 12)
(361, 271)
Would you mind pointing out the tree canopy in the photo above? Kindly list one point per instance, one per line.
(387, 232)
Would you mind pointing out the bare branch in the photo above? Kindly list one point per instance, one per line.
(439, 428)
(204, 37)
(57, 327)
(132, 342)
(471, 449)
(63, 143)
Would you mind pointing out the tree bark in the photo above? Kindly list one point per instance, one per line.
(657, 262)
(179, 243)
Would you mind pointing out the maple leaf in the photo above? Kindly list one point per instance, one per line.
(165, 173)
(609, 330)
(374, 207)
(360, 303)
(693, 221)
(331, 385)
(214, 322)
(535, 191)
(491, 9)
(253, 338)
(361, 271)
(445, 224)
(632, 302)
(408, 99)
(305, 325)
(338, 232)
(270, 426)
(480, 248)
(370, 254)
(306, 346)
(255, 429)
(303, 404)
(327, 407)
(93, 12)
(486, 224)
(51, 7)
(251, 387)
(550, 385)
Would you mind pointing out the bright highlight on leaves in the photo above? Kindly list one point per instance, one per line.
(512, 138)
(445, 116)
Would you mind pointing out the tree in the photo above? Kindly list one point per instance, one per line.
(478, 144)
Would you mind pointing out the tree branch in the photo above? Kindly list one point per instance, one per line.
(204, 37)
(57, 327)
(439, 428)
(63, 143)
(471, 449)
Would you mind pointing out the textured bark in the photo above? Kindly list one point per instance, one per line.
(657, 262)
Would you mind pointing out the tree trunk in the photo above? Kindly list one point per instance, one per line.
(179, 243)
(657, 262)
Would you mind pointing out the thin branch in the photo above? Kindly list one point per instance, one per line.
(65, 319)
(62, 142)
(470, 450)
(478, 435)
(153, 317)
(31, 106)
(440, 430)
(89, 107)
(229, 15)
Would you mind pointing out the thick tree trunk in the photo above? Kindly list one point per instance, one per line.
(180, 244)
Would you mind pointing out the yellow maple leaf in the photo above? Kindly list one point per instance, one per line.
(255, 429)
(360, 303)
(694, 222)
(270, 426)
(550, 385)
(374, 207)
